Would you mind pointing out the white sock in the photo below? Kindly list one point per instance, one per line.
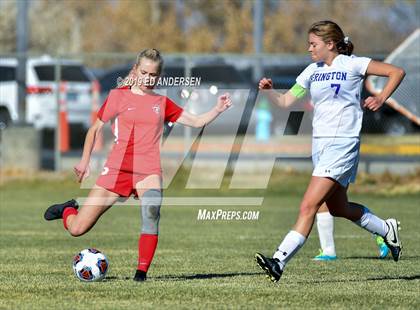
(372, 223)
(325, 225)
(289, 246)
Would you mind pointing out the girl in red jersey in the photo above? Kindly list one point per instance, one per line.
(133, 165)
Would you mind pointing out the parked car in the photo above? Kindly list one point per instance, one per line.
(41, 92)
(216, 78)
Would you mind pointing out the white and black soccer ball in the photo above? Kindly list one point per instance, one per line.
(90, 265)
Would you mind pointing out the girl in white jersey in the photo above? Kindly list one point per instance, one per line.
(334, 81)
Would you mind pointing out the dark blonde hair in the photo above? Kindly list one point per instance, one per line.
(152, 54)
(330, 31)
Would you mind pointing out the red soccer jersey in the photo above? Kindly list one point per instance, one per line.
(137, 127)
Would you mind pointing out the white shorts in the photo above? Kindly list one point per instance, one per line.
(336, 158)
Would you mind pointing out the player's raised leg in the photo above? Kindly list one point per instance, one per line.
(151, 200)
(325, 226)
(318, 191)
(79, 222)
(363, 217)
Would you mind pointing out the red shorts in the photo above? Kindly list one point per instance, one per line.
(120, 182)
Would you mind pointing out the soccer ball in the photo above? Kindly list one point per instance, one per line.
(90, 265)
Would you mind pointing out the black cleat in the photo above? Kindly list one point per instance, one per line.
(140, 276)
(392, 238)
(270, 265)
(56, 211)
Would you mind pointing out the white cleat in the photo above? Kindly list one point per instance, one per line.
(392, 239)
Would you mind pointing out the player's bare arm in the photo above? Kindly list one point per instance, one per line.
(82, 168)
(223, 103)
(395, 76)
(282, 100)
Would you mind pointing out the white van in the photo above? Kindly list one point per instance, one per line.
(41, 87)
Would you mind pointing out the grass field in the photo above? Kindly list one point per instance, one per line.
(201, 264)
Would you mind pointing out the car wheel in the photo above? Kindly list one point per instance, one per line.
(4, 119)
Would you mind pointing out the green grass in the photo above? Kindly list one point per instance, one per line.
(200, 264)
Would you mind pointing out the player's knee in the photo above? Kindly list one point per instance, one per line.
(150, 211)
(76, 230)
(342, 211)
(307, 208)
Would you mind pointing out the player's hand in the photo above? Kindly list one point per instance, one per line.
(82, 171)
(373, 103)
(265, 84)
(224, 102)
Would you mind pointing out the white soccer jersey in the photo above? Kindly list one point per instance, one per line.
(335, 92)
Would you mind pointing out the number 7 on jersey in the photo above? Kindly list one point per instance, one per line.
(337, 89)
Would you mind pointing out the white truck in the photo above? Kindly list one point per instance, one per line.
(41, 105)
